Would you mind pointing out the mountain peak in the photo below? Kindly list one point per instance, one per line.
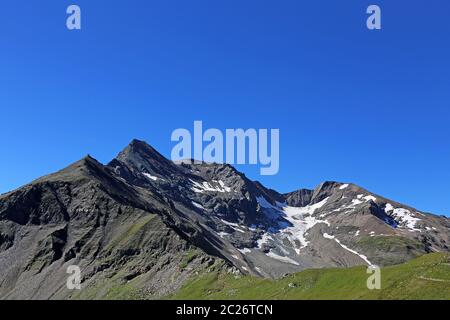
(139, 156)
(138, 143)
(141, 148)
(210, 208)
(87, 159)
(330, 184)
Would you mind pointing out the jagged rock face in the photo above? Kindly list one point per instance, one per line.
(85, 216)
(146, 220)
(345, 225)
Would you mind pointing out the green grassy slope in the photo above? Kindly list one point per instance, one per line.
(426, 277)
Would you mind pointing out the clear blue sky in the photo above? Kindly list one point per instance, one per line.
(352, 105)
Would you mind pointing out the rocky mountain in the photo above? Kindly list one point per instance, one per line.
(145, 222)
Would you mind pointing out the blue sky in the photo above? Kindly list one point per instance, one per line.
(352, 105)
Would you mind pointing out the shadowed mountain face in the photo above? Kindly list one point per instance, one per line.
(148, 223)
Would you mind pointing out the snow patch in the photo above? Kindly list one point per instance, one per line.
(234, 226)
(354, 203)
(282, 259)
(264, 239)
(224, 187)
(344, 186)
(369, 198)
(245, 250)
(403, 217)
(198, 205)
(301, 219)
(149, 176)
(207, 187)
(327, 236)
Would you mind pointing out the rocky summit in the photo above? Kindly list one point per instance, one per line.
(147, 224)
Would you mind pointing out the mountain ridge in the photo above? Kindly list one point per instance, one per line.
(81, 213)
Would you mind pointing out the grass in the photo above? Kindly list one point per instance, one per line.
(132, 230)
(390, 250)
(426, 277)
(389, 243)
(190, 255)
(111, 289)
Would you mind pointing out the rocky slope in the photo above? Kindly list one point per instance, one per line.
(149, 223)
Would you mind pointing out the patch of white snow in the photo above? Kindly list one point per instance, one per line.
(198, 205)
(282, 259)
(207, 187)
(149, 176)
(327, 236)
